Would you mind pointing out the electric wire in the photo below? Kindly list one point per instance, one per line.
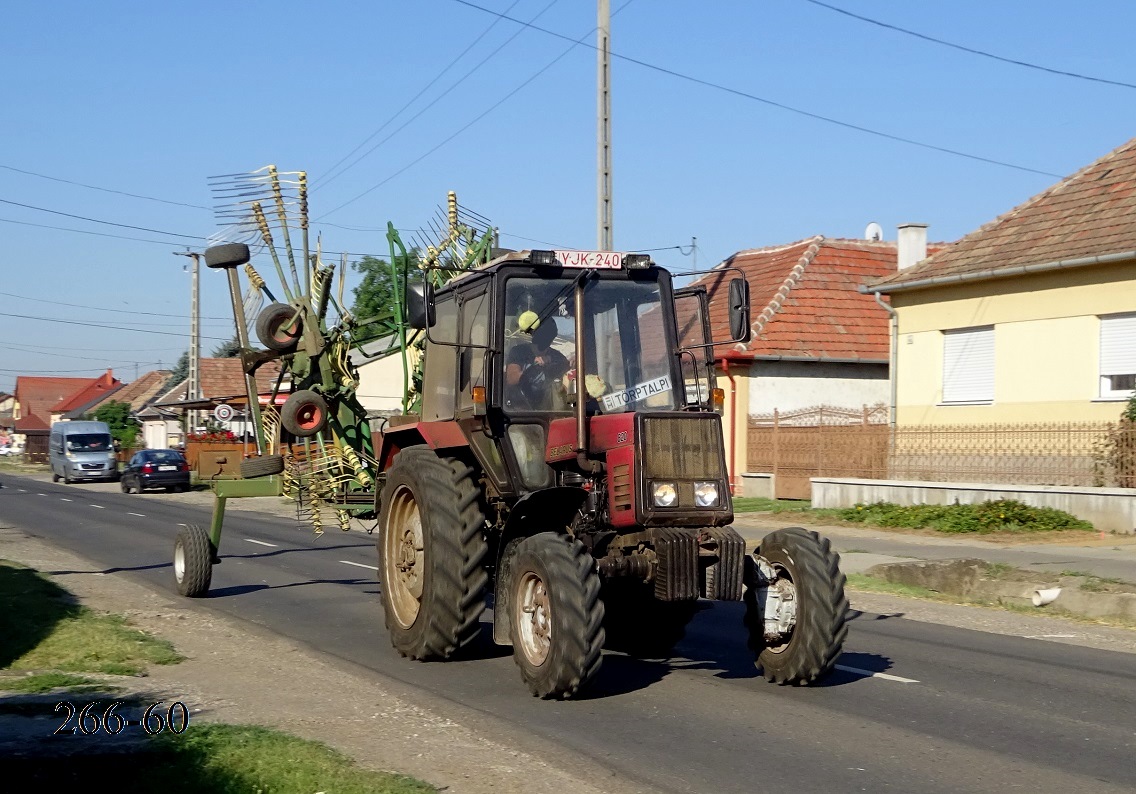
(102, 325)
(971, 50)
(331, 175)
(436, 99)
(772, 103)
(96, 220)
(479, 117)
(116, 311)
(103, 189)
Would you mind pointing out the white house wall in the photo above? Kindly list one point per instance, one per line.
(380, 384)
(793, 385)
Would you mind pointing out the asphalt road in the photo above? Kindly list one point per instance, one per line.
(949, 709)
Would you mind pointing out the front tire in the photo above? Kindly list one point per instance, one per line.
(803, 565)
(556, 615)
(193, 561)
(431, 553)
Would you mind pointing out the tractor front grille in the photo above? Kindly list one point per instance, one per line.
(685, 447)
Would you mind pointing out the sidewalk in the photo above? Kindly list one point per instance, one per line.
(922, 561)
(862, 547)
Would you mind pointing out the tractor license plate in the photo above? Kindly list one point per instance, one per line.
(167, 468)
(606, 260)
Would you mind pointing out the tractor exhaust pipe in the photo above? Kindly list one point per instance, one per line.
(582, 460)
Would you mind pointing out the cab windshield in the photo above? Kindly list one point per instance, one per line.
(89, 442)
(626, 344)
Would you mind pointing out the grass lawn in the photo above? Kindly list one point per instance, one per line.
(218, 759)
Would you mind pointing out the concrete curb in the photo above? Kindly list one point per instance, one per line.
(968, 578)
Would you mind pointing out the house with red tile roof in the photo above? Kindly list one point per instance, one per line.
(41, 401)
(222, 381)
(816, 339)
(1029, 318)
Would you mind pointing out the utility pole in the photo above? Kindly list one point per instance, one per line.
(193, 390)
(603, 125)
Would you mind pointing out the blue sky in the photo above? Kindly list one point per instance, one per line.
(152, 98)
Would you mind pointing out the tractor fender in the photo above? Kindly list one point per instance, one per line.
(546, 510)
(436, 435)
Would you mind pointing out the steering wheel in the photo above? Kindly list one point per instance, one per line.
(533, 384)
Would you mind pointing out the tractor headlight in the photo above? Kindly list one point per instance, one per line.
(706, 494)
(665, 494)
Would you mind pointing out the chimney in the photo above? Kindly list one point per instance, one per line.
(912, 245)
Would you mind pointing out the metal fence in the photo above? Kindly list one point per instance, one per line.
(829, 442)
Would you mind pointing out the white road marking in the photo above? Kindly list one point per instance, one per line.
(100, 507)
(870, 674)
(1049, 636)
(261, 542)
(65, 500)
(41, 494)
(23, 490)
(359, 565)
(140, 515)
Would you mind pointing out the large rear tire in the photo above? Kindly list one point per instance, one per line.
(193, 561)
(431, 554)
(641, 625)
(805, 567)
(556, 614)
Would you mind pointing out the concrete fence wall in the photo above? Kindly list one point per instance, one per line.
(1110, 509)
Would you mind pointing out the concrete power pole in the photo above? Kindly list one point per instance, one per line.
(603, 125)
(193, 390)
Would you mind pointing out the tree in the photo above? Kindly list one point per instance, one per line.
(123, 426)
(230, 349)
(375, 294)
(180, 371)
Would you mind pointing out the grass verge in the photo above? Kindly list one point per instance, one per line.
(221, 759)
(1001, 517)
(46, 638)
(42, 629)
(871, 584)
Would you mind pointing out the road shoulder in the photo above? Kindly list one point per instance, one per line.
(236, 673)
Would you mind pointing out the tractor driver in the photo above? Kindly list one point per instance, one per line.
(533, 369)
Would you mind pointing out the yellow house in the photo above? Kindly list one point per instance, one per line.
(1030, 318)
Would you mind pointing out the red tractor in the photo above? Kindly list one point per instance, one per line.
(568, 466)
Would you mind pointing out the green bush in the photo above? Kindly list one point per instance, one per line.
(1001, 515)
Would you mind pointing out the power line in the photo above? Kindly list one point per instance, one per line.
(769, 102)
(104, 309)
(971, 50)
(85, 369)
(331, 171)
(483, 114)
(85, 231)
(95, 220)
(100, 325)
(22, 349)
(103, 189)
(100, 349)
(436, 99)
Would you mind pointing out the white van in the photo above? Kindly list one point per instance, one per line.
(81, 451)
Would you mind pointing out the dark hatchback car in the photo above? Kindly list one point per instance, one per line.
(155, 468)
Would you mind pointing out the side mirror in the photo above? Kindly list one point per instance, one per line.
(739, 310)
(420, 305)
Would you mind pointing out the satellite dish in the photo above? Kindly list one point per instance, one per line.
(874, 232)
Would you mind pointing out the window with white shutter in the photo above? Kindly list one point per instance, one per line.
(968, 365)
(1118, 355)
